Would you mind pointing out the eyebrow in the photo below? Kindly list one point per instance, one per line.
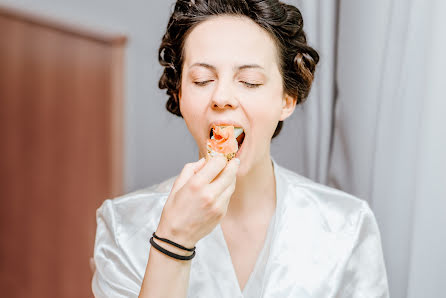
(238, 68)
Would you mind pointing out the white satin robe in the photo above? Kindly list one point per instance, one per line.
(321, 242)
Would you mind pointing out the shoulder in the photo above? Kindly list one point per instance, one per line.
(335, 209)
(124, 225)
(333, 232)
(135, 210)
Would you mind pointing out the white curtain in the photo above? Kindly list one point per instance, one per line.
(375, 125)
(309, 129)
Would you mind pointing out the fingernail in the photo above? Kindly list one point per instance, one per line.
(237, 160)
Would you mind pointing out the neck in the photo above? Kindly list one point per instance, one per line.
(255, 192)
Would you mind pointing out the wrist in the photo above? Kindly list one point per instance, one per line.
(171, 248)
(175, 236)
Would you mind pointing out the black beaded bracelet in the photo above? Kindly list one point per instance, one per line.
(173, 243)
(171, 254)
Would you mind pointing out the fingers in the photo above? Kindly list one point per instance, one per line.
(226, 177)
(223, 199)
(199, 165)
(212, 168)
(188, 171)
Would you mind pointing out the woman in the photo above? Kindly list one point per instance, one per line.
(259, 229)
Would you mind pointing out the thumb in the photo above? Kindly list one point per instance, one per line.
(188, 171)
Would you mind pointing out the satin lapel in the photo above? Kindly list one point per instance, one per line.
(283, 269)
(304, 252)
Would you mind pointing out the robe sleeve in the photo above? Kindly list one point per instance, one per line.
(114, 275)
(365, 273)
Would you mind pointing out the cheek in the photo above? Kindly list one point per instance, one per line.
(264, 114)
(192, 107)
(193, 101)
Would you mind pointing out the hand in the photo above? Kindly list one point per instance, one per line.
(198, 200)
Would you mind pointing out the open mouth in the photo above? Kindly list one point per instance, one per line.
(239, 135)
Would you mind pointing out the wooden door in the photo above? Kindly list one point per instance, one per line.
(61, 107)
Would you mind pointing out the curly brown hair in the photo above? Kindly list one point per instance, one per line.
(282, 21)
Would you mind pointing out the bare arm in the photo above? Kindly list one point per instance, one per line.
(168, 277)
(196, 204)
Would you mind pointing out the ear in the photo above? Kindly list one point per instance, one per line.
(288, 106)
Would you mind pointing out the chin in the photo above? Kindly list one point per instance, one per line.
(246, 166)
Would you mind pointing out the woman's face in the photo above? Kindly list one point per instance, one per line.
(231, 76)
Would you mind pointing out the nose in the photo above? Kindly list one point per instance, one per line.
(224, 97)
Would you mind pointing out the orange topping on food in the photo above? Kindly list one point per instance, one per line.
(224, 140)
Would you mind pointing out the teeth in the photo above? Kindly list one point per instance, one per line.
(237, 131)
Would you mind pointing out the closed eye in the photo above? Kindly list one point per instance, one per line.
(203, 83)
(250, 85)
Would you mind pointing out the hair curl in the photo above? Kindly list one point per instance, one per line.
(282, 21)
